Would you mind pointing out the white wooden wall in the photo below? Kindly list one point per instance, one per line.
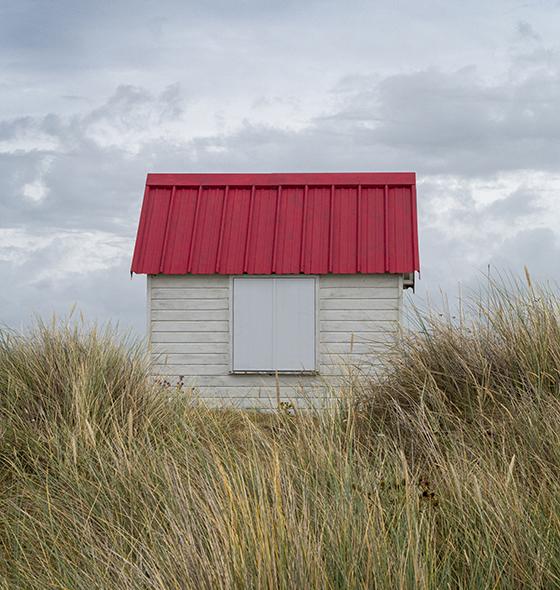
(188, 328)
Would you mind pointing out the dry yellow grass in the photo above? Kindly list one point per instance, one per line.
(445, 474)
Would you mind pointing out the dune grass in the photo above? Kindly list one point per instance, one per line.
(443, 474)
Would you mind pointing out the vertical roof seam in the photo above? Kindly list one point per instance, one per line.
(195, 226)
(276, 224)
(331, 230)
(221, 229)
(249, 229)
(303, 228)
(414, 214)
(166, 231)
(149, 216)
(138, 255)
(386, 229)
(358, 230)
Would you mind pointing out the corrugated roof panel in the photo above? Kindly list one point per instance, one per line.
(261, 231)
(316, 234)
(152, 226)
(400, 229)
(287, 243)
(278, 224)
(208, 222)
(235, 231)
(372, 230)
(344, 225)
(180, 225)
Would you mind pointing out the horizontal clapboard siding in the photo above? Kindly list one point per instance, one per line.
(186, 293)
(369, 292)
(358, 320)
(264, 403)
(190, 369)
(367, 337)
(193, 326)
(284, 391)
(356, 327)
(190, 347)
(246, 382)
(352, 347)
(190, 304)
(189, 337)
(189, 318)
(356, 315)
(359, 304)
(195, 358)
(191, 282)
(191, 315)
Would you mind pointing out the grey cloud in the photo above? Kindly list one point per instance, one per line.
(537, 249)
(99, 295)
(457, 123)
(521, 203)
(449, 279)
(135, 107)
(82, 175)
(82, 32)
(525, 31)
(431, 121)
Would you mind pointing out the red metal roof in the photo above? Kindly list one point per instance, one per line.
(278, 224)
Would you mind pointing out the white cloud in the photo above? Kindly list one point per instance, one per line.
(17, 245)
(28, 143)
(62, 253)
(35, 191)
(79, 253)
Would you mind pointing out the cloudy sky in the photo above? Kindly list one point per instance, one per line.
(93, 95)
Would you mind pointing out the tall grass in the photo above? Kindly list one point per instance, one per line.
(442, 474)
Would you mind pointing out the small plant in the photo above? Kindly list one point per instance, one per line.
(287, 408)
